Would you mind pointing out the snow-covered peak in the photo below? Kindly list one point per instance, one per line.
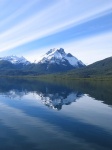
(55, 52)
(59, 56)
(15, 59)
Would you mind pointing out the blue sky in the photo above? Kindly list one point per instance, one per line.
(82, 27)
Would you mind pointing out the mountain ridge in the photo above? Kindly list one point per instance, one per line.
(52, 63)
(15, 59)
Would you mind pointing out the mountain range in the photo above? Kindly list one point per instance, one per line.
(54, 61)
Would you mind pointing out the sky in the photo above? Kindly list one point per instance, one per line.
(30, 28)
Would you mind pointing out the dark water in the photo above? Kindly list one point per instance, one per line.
(36, 115)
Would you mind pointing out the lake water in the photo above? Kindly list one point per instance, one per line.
(57, 115)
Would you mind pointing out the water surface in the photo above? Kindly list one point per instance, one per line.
(68, 115)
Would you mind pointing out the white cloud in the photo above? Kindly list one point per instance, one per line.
(18, 12)
(53, 19)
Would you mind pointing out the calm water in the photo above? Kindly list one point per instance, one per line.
(37, 115)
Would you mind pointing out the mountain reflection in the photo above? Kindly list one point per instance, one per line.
(51, 95)
(58, 93)
(56, 101)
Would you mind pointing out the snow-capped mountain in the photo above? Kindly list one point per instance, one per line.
(58, 56)
(56, 60)
(15, 60)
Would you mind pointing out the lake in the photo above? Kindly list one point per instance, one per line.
(55, 115)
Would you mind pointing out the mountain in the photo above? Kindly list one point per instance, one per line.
(56, 60)
(99, 68)
(13, 65)
(15, 60)
(58, 56)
